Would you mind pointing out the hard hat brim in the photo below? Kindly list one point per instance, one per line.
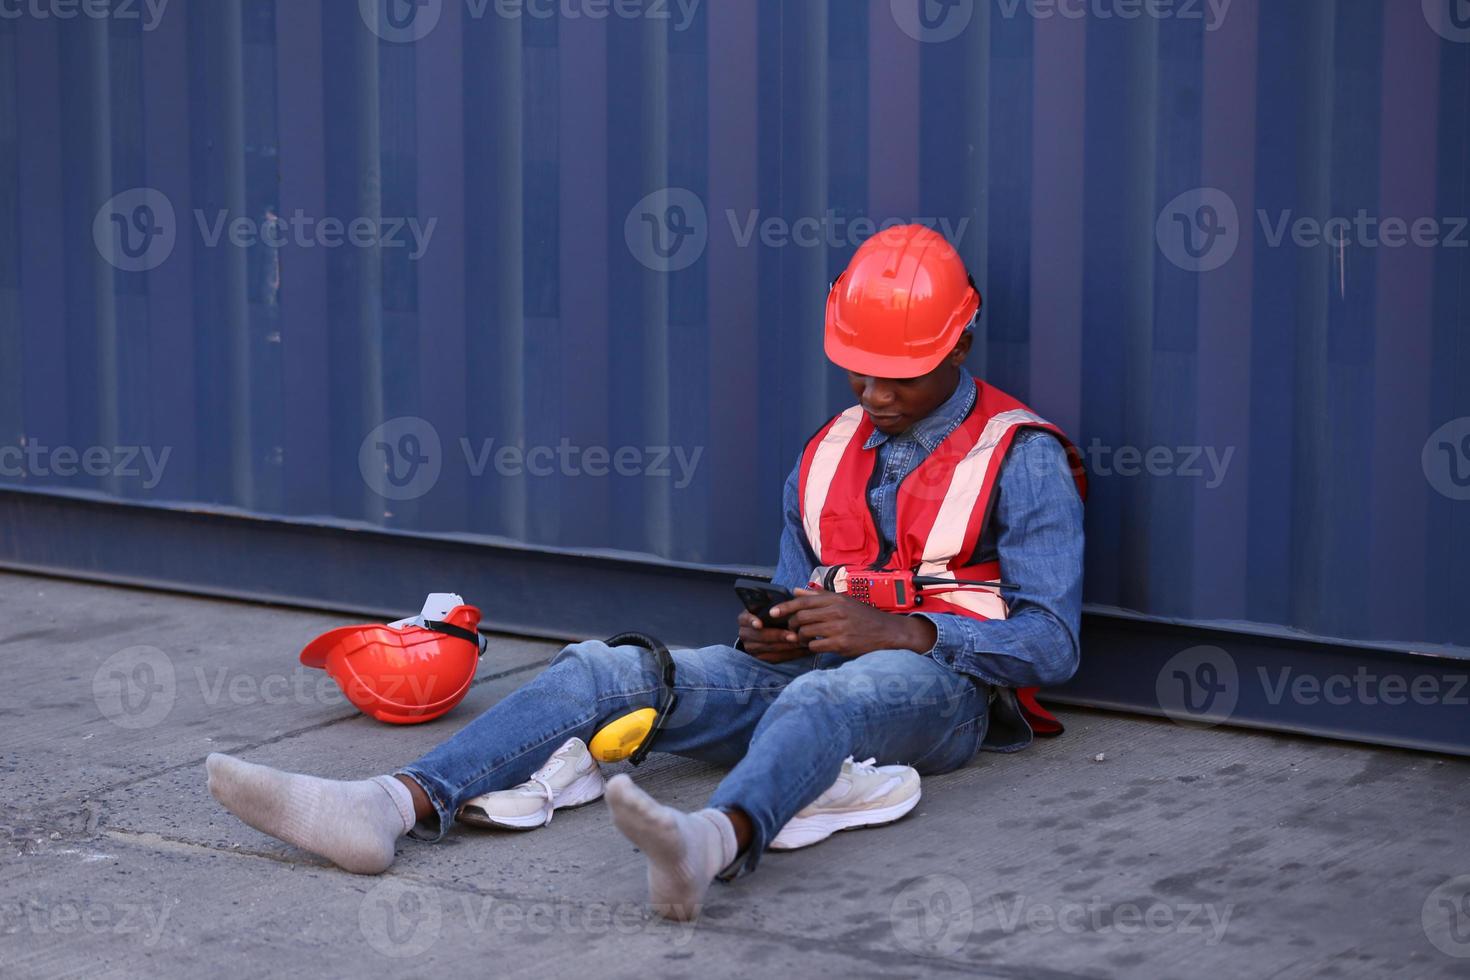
(315, 654)
(860, 361)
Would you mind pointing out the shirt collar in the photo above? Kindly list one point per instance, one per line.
(935, 427)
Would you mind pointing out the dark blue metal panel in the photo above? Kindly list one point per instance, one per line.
(1259, 678)
(571, 362)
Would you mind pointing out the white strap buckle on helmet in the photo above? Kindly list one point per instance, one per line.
(437, 606)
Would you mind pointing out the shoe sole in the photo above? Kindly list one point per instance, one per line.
(587, 789)
(802, 832)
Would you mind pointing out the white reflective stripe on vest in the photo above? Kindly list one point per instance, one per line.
(947, 535)
(819, 477)
(981, 602)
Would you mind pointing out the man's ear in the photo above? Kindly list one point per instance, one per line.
(961, 349)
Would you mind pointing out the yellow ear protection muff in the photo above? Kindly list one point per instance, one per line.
(630, 736)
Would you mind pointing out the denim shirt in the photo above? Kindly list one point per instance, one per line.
(1035, 531)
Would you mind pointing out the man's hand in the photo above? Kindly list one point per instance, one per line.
(772, 645)
(829, 622)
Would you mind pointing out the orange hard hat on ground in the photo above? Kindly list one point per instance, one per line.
(406, 672)
(901, 305)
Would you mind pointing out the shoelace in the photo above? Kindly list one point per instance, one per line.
(869, 767)
(836, 790)
(541, 777)
(550, 796)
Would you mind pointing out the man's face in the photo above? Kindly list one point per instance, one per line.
(895, 404)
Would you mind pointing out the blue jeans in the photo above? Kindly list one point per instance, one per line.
(784, 728)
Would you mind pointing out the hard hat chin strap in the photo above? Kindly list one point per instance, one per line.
(449, 629)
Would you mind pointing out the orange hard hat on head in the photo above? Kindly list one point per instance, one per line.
(901, 305)
(402, 674)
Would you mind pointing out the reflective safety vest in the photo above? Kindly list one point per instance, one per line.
(943, 507)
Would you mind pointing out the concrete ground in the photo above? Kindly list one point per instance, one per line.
(1130, 847)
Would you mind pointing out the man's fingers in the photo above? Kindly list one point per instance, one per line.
(809, 600)
(766, 637)
(806, 600)
(816, 624)
(769, 640)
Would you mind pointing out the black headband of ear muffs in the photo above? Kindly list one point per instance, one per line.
(668, 699)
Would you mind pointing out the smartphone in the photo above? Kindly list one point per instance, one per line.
(758, 597)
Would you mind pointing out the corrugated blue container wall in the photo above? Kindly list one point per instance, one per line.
(1277, 430)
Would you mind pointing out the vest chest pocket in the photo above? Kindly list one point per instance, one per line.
(848, 536)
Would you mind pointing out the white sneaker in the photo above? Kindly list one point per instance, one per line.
(864, 795)
(571, 777)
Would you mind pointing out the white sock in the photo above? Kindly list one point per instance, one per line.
(685, 850)
(352, 824)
